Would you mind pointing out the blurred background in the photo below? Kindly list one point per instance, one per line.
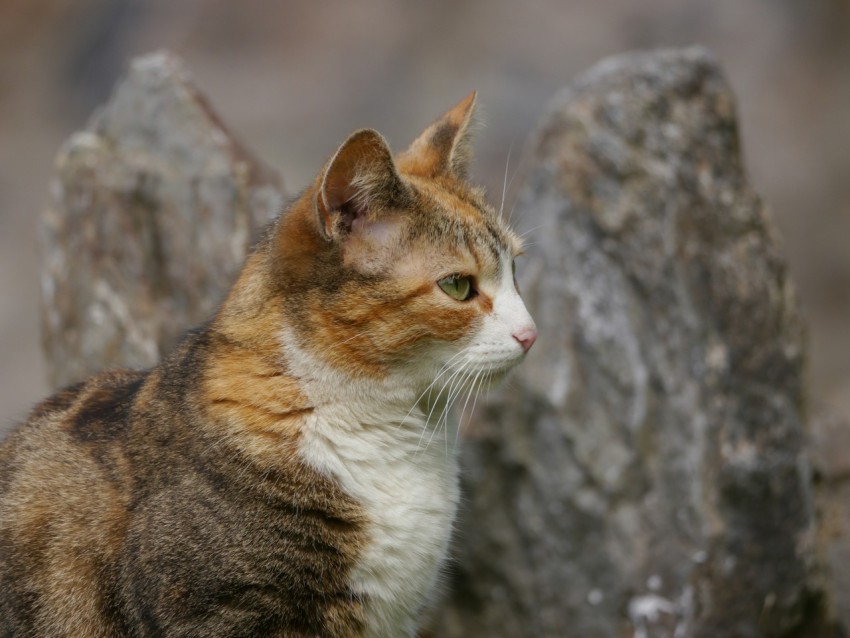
(294, 78)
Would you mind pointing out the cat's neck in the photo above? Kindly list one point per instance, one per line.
(362, 401)
(267, 360)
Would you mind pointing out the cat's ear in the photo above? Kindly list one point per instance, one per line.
(359, 181)
(444, 147)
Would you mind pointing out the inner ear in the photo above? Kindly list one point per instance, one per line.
(360, 180)
(347, 212)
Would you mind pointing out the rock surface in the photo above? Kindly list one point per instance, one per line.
(648, 476)
(153, 209)
(645, 474)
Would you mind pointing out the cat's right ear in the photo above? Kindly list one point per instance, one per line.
(359, 181)
(444, 148)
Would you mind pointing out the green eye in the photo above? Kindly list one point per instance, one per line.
(457, 286)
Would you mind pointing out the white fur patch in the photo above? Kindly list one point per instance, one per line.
(364, 437)
(372, 437)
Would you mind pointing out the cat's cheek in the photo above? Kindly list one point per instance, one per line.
(432, 315)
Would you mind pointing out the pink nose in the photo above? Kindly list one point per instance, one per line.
(526, 337)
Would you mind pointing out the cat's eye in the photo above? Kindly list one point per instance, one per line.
(457, 286)
(513, 269)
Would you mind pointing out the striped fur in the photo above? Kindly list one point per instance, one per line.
(283, 472)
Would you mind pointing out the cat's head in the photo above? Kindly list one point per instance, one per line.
(397, 267)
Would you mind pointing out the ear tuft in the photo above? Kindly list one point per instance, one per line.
(359, 180)
(444, 147)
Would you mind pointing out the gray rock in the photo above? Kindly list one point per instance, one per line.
(830, 451)
(645, 473)
(647, 477)
(153, 209)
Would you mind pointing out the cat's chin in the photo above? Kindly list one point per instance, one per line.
(495, 378)
(490, 378)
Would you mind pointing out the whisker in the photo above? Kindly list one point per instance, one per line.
(531, 230)
(442, 419)
(489, 380)
(523, 160)
(428, 418)
(505, 181)
(433, 407)
(511, 214)
(442, 371)
(519, 166)
(447, 411)
(446, 367)
(457, 375)
(463, 409)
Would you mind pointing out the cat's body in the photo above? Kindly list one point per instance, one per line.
(285, 472)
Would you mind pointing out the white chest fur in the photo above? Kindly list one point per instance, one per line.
(409, 489)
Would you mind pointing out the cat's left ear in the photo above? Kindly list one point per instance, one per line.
(358, 182)
(443, 149)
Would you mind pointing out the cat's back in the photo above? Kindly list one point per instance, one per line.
(63, 504)
(73, 426)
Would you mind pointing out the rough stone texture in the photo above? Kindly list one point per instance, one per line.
(831, 459)
(152, 211)
(644, 475)
(647, 477)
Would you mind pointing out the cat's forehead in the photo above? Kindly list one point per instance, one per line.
(454, 212)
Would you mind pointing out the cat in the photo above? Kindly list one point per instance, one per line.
(289, 470)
